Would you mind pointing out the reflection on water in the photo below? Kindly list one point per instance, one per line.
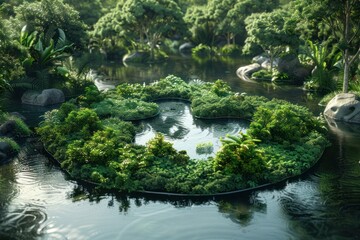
(184, 131)
(37, 201)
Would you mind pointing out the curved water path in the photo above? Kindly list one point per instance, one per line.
(37, 201)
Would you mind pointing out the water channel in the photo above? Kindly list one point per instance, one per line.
(38, 201)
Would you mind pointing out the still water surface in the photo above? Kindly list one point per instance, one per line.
(37, 201)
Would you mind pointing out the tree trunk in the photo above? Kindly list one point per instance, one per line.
(346, 71)
(346, 52)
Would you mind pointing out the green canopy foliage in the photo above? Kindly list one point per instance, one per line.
(89, 10)
(146, 21)
(48, 15)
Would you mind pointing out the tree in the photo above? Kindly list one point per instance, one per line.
(335, 21)
(268, 31)
(151, 20)
(217, 11)
(221, 19)
(235, 18)
(343, 17)
(89, 10)
(10, 66)
(48, 15)
(200, 24)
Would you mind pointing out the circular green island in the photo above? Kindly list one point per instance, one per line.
(92, 137)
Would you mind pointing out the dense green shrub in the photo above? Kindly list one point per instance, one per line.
(262, 75)
(231, 50)
(103, 152)
(91, 95)
(160, 148)
(126, 109)
(21, 129)
(135, 90)
(241, 155)
(14, 146)
(85, 121)
(202, 50)
(280, 121)
(292, 159)
(169, 87)
(237, 106)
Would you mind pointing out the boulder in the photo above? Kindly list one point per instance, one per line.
(291, 65)
(259, 59)
(45, 98)
(344, 107)
(5, 148)
(267, 63)
(136, 57)
(7, 128)
(18, 115)
(248, 69)
(186, 48)
(3, 158)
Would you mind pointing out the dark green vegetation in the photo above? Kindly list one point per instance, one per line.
(283, 140)
(12, 129)
(323, 35)
(48, 43)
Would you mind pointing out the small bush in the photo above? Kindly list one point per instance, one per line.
(204, 148)
(202, 50)
(262, 75)
(231, 50)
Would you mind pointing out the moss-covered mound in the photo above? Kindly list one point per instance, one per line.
(283, 140)
(12, 128)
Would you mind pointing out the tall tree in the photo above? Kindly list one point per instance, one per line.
(10, 66)
(152, 20)
(268, 30)
(48, 15)
(343, 18)
(89, 10)
(333, 20)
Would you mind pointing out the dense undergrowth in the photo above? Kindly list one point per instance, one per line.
(91, 140)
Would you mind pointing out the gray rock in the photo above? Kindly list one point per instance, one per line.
(246, 71)
(136, 57)
(7, 127)
(5, 147)
(186, 47)
(259, 59)
(291, 65)
(344, 107)
(3, 157)
(45, 98)
(19, 115)
(267, 63)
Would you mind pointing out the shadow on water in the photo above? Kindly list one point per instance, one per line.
(18, 220)
(327, 205)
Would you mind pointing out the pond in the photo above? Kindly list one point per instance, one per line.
(177, 124)
(38, 201)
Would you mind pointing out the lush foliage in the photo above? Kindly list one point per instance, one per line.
(204, 148)
(14, 146)
(95, 145)
(126, 109)
(240, 154)
(279, 121)
(21, 129)
(45, 16)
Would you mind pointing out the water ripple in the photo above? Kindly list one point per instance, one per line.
(28, 220)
